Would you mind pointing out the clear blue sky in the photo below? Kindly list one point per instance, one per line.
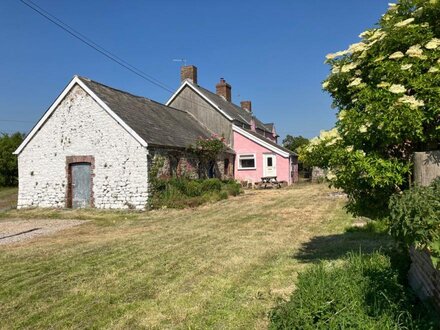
(271, 52)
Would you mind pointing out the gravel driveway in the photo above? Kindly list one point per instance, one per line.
(12, 231)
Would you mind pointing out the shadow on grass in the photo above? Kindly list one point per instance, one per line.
(367, 239)
(386, 291)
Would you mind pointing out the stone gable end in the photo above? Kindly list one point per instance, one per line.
(78, 127)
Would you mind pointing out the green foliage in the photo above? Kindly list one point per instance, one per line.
(386, 90)
(8, 161)
(362, 292)
(183, 192)
(295, 142)
(155, 185)
(208, 149)
(415, 218)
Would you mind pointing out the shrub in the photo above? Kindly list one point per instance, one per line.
(183, 192)
(8, 161)
(363, 292)
(189, 187)
(415, 218)
(385, 89)
(211, 185)
(232, 188)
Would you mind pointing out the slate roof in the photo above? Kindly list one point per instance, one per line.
(231, 109)
(269, 141)
(157, 124)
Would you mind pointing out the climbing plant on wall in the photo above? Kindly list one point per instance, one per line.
(208, 149)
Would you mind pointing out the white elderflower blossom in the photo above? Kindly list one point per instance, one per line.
(330, 134)
(378, 34)
(330, 142)
(330, 176)
(383, 84)
(336, 69)
(355, 82)
(337, 54)
(396, 55)
(349, 148)
(392, 6)
(364, 34)
(325, 84)
(405, 22)
(363, 54)
(314, 141)
(433, 43)
(415, 51)
(374, 34)
(348, 67)
(380, 126)
(342, 114)
(358, 47)
(406, 66)
(363, 129)
(411, 101)
(433, 69)
(397, 89)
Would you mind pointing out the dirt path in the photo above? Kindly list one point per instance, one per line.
(12, 231)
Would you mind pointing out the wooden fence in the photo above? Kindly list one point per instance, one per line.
(426, 167)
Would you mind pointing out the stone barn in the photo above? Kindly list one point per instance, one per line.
(95, 145)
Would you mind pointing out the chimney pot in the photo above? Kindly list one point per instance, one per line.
(224, 89)
(246, 105)
(188, 72)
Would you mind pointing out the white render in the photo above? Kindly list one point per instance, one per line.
(79, 126)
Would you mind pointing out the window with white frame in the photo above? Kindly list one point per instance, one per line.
(247, 162)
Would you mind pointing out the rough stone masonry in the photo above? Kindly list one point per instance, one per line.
(81, 127)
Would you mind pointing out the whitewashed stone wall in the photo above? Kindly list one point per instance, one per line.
(80, 127)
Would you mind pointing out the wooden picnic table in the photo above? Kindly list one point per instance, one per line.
(270, 180)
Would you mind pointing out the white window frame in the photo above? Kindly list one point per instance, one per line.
(247, 156)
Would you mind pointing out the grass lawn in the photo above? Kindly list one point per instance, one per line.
(222, 265)
(8, 198)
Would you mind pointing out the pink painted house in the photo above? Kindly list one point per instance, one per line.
(257, 153)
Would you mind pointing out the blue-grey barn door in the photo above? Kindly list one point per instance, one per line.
(81, 185)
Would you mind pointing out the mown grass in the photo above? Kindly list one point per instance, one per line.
(222, 265)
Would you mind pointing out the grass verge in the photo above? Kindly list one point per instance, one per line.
(360, 291)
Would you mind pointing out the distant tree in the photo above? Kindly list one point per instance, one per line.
(295, 142)
(8, 161)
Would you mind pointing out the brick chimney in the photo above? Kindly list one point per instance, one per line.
(246, 105)
(223, 89)
(188, 72)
